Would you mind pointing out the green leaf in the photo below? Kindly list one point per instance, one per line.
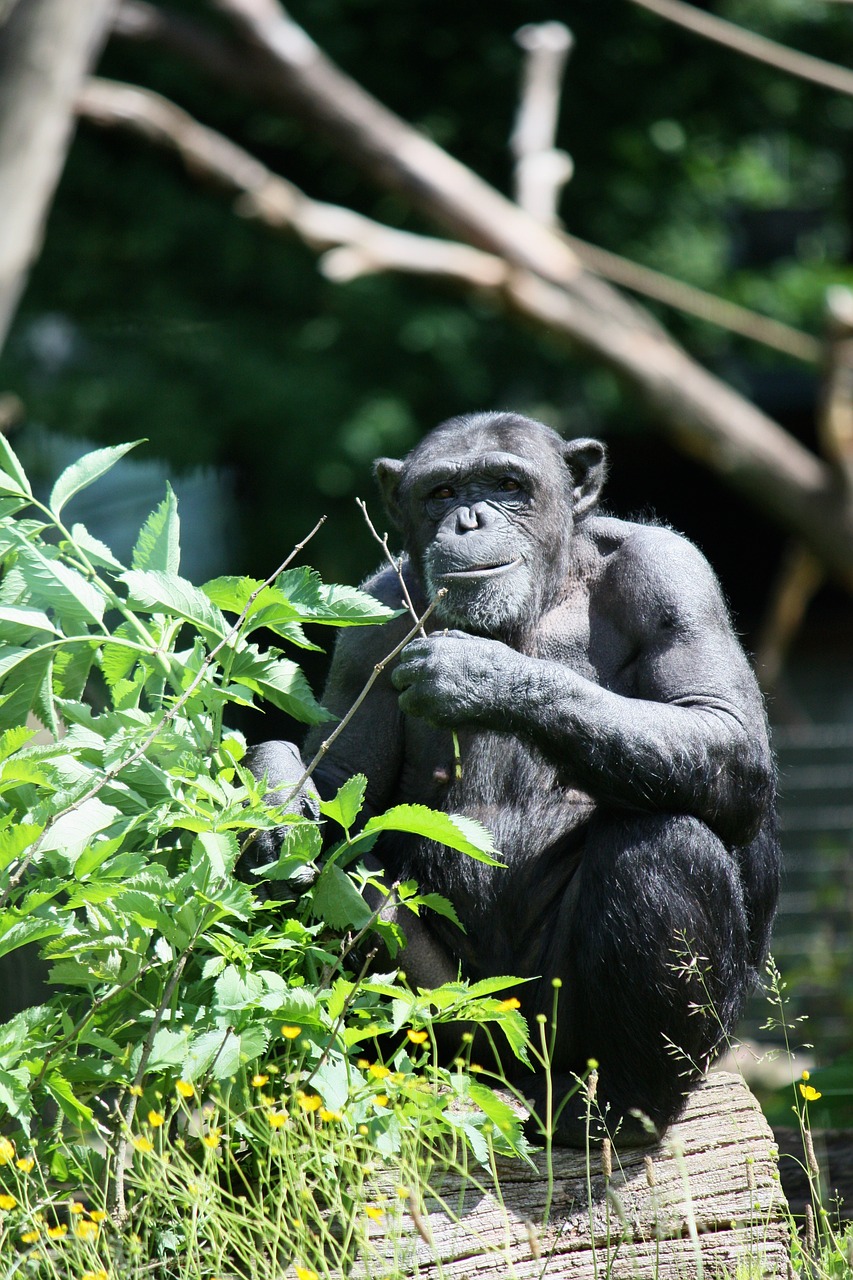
(440, 905)
(346, 806)
(26, 931)
(217, 850)
(95, 550)
(331, 605)
(337, 901)
(12, 468)
(18, 624)
(71, 833)
(232, 593)
(63, 1094)
(457, 832)
(278, 680)
(16, 840)
(85, 471)
(158, 545)
(22, 689)
(53, 585)
(160, 592)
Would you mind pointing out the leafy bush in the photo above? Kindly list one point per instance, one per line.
(190, 1015)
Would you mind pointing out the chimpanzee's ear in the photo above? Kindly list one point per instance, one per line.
(587, 461)
(388, 473)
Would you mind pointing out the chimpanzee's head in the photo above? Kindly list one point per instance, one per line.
(487, 503)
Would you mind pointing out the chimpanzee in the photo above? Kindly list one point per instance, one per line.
(612, 738)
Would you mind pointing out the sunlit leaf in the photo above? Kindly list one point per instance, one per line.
(85, 471)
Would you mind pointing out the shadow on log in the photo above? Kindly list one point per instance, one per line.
(707, 1200)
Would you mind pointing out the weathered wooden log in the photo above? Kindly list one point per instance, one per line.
(705, 1201)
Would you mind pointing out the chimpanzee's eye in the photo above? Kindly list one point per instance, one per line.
(508, 485)
(442, 491)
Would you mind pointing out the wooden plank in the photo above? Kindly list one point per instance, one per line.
(712, 1203)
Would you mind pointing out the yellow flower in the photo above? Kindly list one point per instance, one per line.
(25, 1163)
(57, 1232)
(76, 1206)
(276, 1119)
(7, 1202)
(98, 1215)
(303, 1273)
(329, 1116)
(7, 1150)
(258, 1081)
(374, 1212)
(810, 1093)
(155, 1119)
(95, 1275)
(381, 1099)
(143, 1144)
(212, 1138)
(362, 1064)
(85, 1230)
(403, 1193)
(184, 1088)
(290, 1033)
(29, 1237)
(806, 1075)
(309, 1101)
(136, 1090)
(512, 1003)
(379, 1072)
(417, 1037)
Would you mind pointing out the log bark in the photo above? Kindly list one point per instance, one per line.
(46, 49)
(707, 1200)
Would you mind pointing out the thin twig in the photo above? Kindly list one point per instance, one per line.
(397, 566)
(803, 65)
(371, 681)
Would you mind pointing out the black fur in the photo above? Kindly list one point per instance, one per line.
(612, 738)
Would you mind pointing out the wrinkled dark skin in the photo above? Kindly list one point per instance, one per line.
(612, 738)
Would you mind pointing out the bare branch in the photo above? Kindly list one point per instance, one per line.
(46, 48)
(803, 65)
(704, 416)
(541, 171)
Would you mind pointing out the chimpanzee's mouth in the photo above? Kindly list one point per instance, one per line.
(481, 571)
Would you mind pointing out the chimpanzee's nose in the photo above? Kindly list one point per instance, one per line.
(467, 519)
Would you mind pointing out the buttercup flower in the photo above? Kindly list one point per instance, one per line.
(309, 1101)
(276, 1119)
(258, 1081)
(303, 1273)
(143, 1144)
(290, 1033)
(25, 1163)
(379, 1072)
(417, 1037)
(374, 1212)
(7, 1202)
(184, 1088)
(512, 1003)
(810, 1093)
(212, 1138)
(155, 1119)
(30, 1237)
(85, 1230)
(7, 1150)
(57, 1232)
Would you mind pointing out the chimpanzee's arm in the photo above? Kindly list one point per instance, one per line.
(692, 739)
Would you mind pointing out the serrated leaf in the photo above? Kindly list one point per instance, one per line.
(94, 548)
(231, 593)
(346, 806)
(331, 605)
(85, 471)
(25, 931)
(72, 832)
(17, 624)
(12, 468)
(159, 543)
(441, 906)
(337, 901)
(452, 829)
(280, 681)
(161, 592)
(217, 850)
(62, 1093)
(54, 586)
(22, 684)
(219, 1049)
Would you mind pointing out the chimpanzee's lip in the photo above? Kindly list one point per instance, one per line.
(481, 571)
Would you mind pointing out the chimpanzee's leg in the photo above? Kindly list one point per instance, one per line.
(652, 950)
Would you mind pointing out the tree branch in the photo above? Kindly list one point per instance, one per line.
(541, 171)
(46, 48)
(705, 418)
(803, 65)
